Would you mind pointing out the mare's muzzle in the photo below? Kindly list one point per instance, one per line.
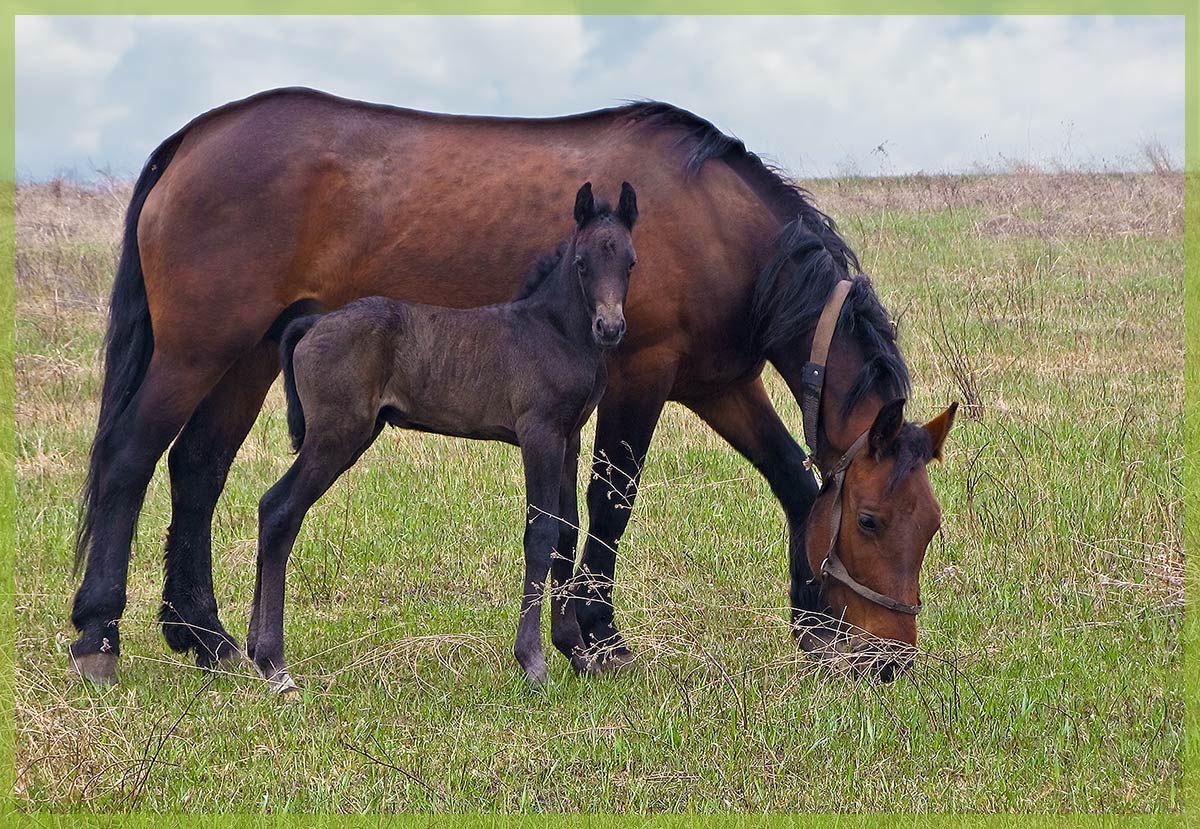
(844, 646)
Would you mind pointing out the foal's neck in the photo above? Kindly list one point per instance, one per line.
(560, 298)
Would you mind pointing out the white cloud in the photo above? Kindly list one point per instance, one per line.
(816, 93)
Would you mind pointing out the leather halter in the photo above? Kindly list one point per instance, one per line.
(810, 407)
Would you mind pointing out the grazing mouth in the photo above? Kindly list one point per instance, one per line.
(843, 646)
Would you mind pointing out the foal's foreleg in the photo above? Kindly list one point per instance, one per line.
(542, 451)
(564, 627)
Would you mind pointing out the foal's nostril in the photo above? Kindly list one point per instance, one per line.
(608, 333)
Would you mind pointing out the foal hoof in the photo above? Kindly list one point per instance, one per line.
(537, 676)
(283, 685)
(98, 668)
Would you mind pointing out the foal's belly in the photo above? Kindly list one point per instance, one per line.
(439, 424)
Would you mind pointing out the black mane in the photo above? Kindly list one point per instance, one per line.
(707, 142)
(810, 258)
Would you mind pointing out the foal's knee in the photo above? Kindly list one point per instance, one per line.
(276, 525)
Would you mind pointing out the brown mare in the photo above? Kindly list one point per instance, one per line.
(294, 201)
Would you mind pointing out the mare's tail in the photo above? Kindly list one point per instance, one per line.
(128, 343)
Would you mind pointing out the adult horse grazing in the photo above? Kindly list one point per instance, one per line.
(528, 372)
(293, 201)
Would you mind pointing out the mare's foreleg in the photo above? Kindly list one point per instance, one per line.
(624, 425)
(745, 417)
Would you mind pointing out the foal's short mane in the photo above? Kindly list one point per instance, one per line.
(809, 257)
(549, 261)
(545, 265)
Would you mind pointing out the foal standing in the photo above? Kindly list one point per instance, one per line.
(529, 373)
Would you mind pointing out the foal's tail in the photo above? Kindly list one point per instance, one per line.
(287, 350)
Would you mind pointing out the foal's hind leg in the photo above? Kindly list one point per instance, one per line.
(199, 463)
(542, 450)
(252, 629)
(328, 451)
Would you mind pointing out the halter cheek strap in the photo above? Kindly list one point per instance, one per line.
(810, 407)
(814, 370)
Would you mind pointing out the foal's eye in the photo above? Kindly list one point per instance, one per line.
(580, 265)
(867, 523)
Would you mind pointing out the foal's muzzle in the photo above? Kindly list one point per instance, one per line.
(608, 331)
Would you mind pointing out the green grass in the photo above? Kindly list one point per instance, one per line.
(1050, 676)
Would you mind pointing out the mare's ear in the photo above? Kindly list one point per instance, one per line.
(887, 425)
(627, 211)
(585, 205)
(939, 427)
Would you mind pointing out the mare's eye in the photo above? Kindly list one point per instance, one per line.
(867, 523)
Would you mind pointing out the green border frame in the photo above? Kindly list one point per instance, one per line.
(1191, 472)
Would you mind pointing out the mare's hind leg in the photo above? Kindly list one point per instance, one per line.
(745, 417)
(542, 452)
(199, 462)
(330, 448)
(564, 627)
(166, 398)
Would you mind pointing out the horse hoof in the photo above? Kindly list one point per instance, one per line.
(613, 661)
(227, 656)
(537, 676)
(98, 668)
(283, 685)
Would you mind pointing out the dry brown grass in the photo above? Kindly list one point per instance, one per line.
(1025, 203)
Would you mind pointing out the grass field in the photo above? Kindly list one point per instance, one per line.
(1049, 305)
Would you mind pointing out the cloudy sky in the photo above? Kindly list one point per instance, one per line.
(819, 95)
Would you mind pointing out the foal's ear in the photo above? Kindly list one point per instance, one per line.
(627, 211)
(887, 425)
(585, 205)
(939, 427)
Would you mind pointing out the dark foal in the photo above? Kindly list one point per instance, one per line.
(529, 373)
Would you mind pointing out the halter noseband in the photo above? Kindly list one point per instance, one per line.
(810, 408)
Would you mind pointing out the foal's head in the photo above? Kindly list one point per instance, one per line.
(602, 247)
(886, 518)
